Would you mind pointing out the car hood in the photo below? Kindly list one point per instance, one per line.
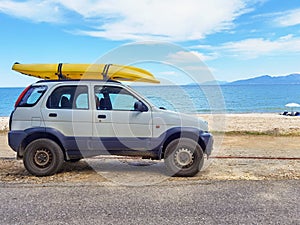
(172, 118)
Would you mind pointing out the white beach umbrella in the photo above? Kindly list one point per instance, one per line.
(292, 105)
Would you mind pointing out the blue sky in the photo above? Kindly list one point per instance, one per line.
(235, 39)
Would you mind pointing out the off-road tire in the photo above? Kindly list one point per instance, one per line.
(43, 157)
(183, 157)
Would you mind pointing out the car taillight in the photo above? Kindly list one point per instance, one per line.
(21, 96)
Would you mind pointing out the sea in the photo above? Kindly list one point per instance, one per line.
(199, 99)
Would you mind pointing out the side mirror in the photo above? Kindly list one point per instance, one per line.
(139, 106)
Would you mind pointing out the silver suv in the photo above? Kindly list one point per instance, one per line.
(57, 121)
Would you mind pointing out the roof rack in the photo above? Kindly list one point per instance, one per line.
(60, 75)
(69, 80)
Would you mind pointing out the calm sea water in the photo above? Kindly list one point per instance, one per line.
(8, 97)
(225, 98)
(201, 99)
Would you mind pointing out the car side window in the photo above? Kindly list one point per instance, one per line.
(69, 97)
(32, 96)
(114, 98)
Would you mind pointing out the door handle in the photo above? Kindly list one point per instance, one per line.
(101, 116)
(52, 115)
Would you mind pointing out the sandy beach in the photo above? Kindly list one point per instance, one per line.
(4, 123)
(250, 123)
(253, 123)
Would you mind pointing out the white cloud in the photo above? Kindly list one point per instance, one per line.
(37, 11)
(169, 20)
(281, 18)
(288, 18)
(198, 68)
(168, 73)
(173, 20)
(248, 48)
(191, 62)
(190, 57)
(253, 48)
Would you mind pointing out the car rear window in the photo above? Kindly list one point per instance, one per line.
(32, 96)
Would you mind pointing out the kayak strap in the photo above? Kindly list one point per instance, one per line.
(59, 72)
(105, 71)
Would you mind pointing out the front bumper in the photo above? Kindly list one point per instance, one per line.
(208, 140)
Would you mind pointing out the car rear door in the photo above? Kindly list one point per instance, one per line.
(67, 110)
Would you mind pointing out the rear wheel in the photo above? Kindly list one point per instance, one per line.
(43, 157)
(184, 157)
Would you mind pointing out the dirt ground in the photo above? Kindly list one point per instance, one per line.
(235, 157)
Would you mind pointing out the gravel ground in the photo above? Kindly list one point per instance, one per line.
(137, 172)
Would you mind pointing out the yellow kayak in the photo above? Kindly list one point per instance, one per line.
(85, 71)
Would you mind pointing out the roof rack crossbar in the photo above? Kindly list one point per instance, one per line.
(59, 72)
(105, 71)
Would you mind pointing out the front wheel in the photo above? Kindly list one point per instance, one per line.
(43, 157)
(184, 157)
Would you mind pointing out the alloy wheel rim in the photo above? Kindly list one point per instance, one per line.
(42, 158)
(184, 158)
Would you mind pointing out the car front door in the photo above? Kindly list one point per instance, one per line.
(117, 124)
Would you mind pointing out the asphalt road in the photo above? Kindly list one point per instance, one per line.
(194, 202)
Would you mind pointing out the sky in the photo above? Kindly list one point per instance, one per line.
(224, 40)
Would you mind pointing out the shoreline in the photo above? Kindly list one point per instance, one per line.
(253, 123)
(236, 123)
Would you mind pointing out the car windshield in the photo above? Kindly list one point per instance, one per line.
(153, 97)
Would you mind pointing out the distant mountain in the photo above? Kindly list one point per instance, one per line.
(266, 79)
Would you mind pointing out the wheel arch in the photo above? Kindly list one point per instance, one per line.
(190, 134)
(38, 135)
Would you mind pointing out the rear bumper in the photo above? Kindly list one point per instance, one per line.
(15, 139)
